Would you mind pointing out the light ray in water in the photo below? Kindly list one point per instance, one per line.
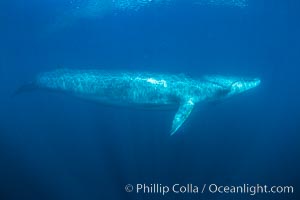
(80, 9)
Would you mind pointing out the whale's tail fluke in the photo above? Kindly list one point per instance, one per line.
(27, 87)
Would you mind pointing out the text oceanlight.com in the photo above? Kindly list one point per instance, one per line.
(207, 188)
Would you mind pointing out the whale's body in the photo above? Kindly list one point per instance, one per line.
(146, 90)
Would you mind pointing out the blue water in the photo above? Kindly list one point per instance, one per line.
(58, 147)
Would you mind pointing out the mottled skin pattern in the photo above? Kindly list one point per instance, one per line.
(128, 88)
(144, 89)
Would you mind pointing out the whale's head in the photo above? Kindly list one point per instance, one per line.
(234, 85)
(243, 85)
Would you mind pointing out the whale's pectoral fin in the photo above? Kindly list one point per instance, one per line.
(182, 114)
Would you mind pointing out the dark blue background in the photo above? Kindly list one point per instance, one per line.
(58, 147)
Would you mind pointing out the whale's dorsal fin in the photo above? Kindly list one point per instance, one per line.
(182, 114)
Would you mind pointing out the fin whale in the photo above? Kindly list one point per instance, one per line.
(148, 90)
